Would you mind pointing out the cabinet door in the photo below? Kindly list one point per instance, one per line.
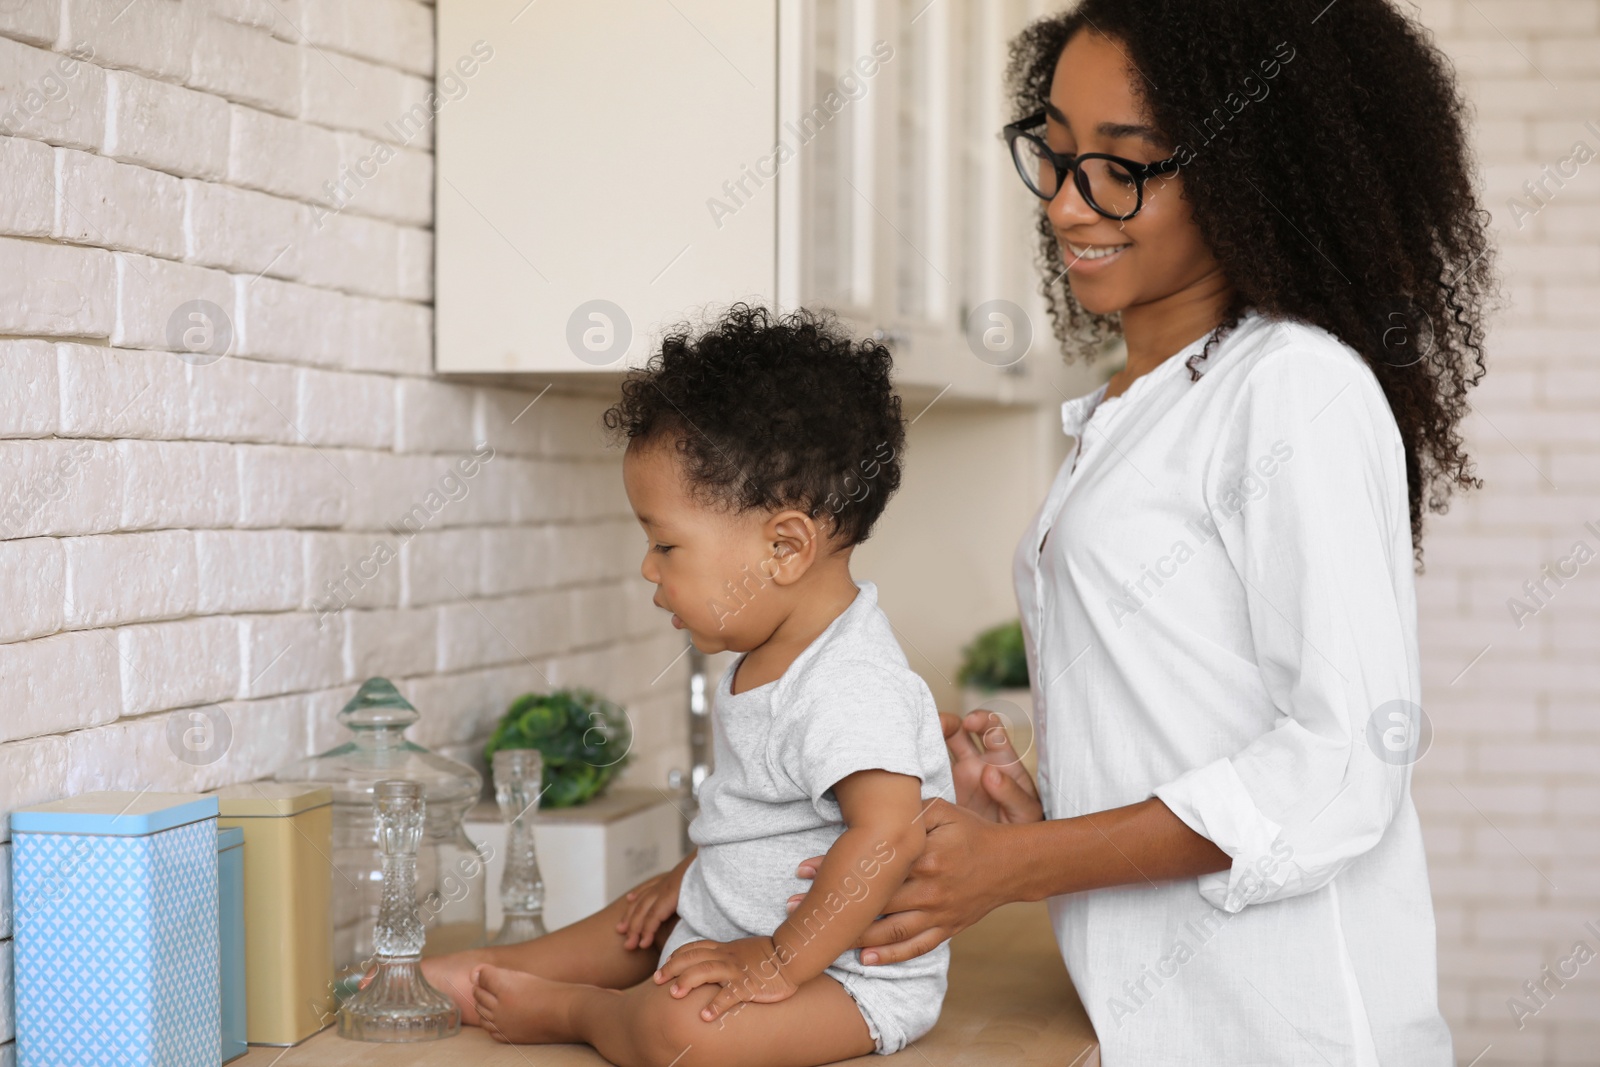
(608, 169)
(909, 222)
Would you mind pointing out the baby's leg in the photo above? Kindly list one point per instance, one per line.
(647, 1027)
(588, 951)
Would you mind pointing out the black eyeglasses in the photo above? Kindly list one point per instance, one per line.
(1111, 185)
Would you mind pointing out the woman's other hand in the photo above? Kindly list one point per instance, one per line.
(961, 876)
(990, 779)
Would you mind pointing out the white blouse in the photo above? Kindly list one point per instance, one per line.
(1219, 608)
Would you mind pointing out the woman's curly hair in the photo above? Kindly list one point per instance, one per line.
(770, 412)
(1338, 192)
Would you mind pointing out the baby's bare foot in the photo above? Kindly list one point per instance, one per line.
(452, 976)
(520, 1008)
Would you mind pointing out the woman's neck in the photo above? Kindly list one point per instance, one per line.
(1156, 331)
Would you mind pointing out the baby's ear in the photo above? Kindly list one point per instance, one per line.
(795, 541)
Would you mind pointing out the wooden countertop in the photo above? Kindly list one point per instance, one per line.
(1010, 1001)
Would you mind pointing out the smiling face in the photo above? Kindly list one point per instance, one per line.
(1158, 254)
(720, 573)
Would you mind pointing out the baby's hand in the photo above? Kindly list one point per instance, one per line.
(650, 904)
(747, 970)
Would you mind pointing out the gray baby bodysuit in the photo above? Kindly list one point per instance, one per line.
(848, 703)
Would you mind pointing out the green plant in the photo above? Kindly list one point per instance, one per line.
(584, 739)
(995, 659)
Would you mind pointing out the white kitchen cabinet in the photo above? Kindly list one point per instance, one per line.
(898, 226)
(620, 165)
(575, 168)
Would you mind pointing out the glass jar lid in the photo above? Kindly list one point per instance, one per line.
(378, 717)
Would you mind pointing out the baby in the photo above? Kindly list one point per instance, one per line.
(760, 452)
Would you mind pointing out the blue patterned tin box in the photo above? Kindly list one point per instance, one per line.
(116, 931)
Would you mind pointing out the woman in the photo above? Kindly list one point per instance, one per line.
(1217, 594)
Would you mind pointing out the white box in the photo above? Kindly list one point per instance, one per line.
(589, 855)
(8, 1054)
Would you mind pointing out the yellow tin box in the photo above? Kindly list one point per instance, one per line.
(288, 917)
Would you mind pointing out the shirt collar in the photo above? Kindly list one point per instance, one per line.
(1075, 412)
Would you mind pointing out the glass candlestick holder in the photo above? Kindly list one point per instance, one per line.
(398, 1004)
(518, 773)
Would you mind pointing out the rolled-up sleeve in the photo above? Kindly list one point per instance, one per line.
(1307, 489)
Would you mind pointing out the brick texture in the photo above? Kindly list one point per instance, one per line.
(1509, 794)
(178, 530)
(228, 476)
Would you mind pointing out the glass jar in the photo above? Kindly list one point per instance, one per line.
(450, 871)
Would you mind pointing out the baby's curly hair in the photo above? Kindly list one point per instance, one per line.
(770, 412)
(1344, 197)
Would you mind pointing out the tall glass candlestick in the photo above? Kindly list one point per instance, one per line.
(518, 773)
(398, 1004)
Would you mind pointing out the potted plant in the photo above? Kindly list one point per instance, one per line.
(583, 737)
(994, 675)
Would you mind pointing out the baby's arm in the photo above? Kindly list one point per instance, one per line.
(883, 837)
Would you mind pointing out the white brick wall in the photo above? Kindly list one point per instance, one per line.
(1510, 793)
(170, 528)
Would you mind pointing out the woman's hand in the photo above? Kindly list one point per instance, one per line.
(747, 970)
(990, 779)
(650, 904)
(961, 876)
